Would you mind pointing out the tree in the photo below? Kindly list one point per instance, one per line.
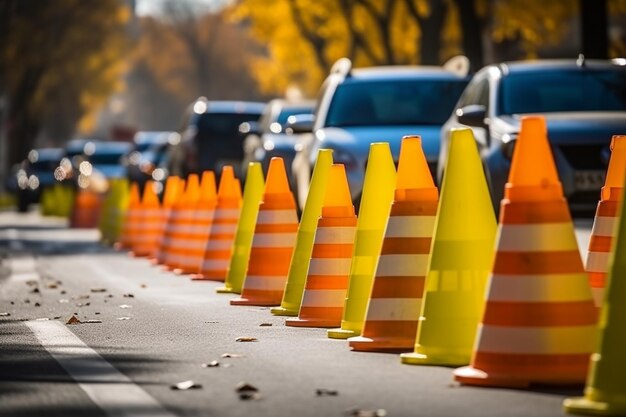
(60, 60)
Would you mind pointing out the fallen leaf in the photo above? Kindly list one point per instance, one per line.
(73, 320)
(323, 392)
(123, 318)
(37, 305)
(5, 314)
(56, 317)
(92, 321)
(110, 295)
(212, 364)
(63, 292)
(265, 324)
(129, 295)
(52, 285)
(143, 286)
(245, 387)
(96, 313)
(98, 290)
(82, 297)
(185, 385)
(35, 290)
(357, 412)
(32, 282)
(125, 306)
(246, 339)
(27, 301)
(12, 303)
(232, 355)
(211, 322)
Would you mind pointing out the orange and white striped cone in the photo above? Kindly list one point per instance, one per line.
(190, 247)
(170, 195)
(131, 217)
(219, 245)
(394, 307)
(539, 322)
(273, 242)
(182, 224)
(329, 269)
(175, 188)
(603, 231)
(149, 222)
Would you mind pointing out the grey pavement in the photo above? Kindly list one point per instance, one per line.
(158, 328)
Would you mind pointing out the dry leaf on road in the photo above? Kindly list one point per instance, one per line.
(246, 339)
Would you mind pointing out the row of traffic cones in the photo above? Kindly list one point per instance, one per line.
(418, 269)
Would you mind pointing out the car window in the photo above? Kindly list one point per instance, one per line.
(477, 92)
(393, 102)
(286, 112)
(563, 91)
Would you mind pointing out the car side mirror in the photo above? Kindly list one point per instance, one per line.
(300, 123)
(250, 128)
(472, 115)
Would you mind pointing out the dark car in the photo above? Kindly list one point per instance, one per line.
(378, 104)
(583, 101)
(268, 138)
(149, 152)
(35, 174)
(211, 137)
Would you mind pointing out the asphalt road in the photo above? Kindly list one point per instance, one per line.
(157, 329)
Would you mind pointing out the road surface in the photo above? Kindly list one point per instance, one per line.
(156, 329)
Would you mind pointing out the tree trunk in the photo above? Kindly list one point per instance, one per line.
(432, 28)
(594, 25)
(472, 29)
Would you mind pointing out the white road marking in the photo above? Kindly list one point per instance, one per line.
(108, 388)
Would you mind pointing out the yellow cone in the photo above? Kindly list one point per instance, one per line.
(252, 194)
(461, 258)
(378, 189)
(296, 279)
(605, 393)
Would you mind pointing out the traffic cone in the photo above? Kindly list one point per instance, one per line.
(183, 222)
(131, 216)
(461, 257)
(329, 268)
(177, 191)
(170, 196)
(394, 305)
(604, 223)
(219, 244)
(539, 324)
(86, 209)
(273, 242)
(238, 266)
(297, 276)
(605, 392)
(149, 222)
(378, 187)
(190, 246)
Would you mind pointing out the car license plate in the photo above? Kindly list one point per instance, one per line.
(589, 180)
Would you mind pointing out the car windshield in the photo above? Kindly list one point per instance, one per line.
(563, 91)
(105, 158)
(394, 102)
(290, 111)
(222, 125)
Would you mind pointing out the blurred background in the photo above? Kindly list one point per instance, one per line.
(106, 69)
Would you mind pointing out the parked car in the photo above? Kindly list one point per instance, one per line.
(210, 136)
(33, 175)
(379, 104)
(149, 152)
(583, 101)
(268, 137)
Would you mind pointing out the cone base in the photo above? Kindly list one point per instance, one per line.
(297, 322)
(249, 302)
(340, 333)
(468, 375)
(283, 311)
(415, 358)
(202, 277)
(387, 344)
(226, 290)
(586, 406)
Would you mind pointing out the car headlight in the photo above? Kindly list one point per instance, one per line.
(508, 145)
